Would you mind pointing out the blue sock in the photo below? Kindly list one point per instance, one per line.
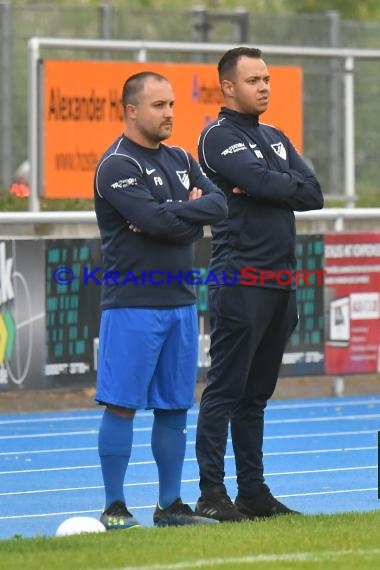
(168, 447)
(114, 445)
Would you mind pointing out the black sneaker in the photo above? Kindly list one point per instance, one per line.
(219, 506)
(178, 514)
(117, 516)
(262, 505)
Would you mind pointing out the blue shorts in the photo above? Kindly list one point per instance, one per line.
(148, 357)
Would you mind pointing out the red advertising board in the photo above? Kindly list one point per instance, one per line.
(352, 303)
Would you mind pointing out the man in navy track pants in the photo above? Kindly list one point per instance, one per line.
(253, 309)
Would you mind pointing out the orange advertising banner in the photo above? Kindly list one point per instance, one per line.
(82, 113)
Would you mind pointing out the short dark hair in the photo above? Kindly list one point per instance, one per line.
(134, 85)
(229, 60)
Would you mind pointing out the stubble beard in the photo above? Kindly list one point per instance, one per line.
(157, 135)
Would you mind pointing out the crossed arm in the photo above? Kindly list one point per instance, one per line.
(177, 222)
(295, 186)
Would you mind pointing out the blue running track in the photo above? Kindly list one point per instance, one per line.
(320, 457)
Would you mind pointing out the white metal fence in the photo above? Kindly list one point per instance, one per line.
(336, 216)
(142, 50)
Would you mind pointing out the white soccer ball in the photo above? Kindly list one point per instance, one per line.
(79, 525)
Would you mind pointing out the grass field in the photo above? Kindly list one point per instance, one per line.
(343, 541)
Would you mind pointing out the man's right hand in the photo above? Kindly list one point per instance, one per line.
(195, 193)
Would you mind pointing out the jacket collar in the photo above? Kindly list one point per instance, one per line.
(241, 118)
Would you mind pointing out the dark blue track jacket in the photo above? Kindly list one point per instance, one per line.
(237, 150)
(149, 188)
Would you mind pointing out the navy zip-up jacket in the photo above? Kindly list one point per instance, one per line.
(149, 188)
(237, 150)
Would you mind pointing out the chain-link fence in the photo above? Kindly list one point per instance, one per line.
(323, 88)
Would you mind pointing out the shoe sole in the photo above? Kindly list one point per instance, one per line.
(236, 519)
(122, 527)
(199, 520)
(251, 517)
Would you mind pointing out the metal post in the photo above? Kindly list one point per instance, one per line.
(203, 22)
(349, 132)
(335, 107)
(5, 95)
(242, 22)
(339, 224)
(33, 117)
(338, 386)
(105, 26)
(142, 55)
(200, 30)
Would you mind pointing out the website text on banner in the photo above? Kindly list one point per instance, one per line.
(82, 109)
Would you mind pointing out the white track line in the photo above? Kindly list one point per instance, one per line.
(69, 433)
(272, 407)
(325, 419)
(44, 435)
(49, 419)
(338, 492)
(334, 403)
(323, 434)
(69, 513)
(63, 450)
(143, 507)
(313, 451)
(192, 442)
(143, 445)
(193, 426)
(58, 490)
(184, 481)
(139, 463)
(42, 515)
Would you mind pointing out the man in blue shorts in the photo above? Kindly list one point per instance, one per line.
(151, 203)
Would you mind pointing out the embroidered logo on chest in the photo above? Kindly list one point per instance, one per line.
(184, 178)
(279, 149)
